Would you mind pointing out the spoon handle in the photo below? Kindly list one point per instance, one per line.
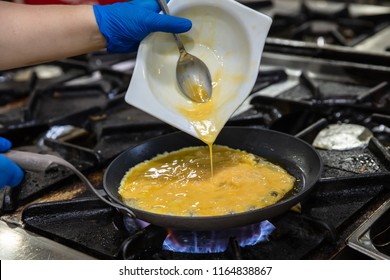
(164, 7)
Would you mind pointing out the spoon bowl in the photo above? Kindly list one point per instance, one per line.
(193, 78)
(192, 74)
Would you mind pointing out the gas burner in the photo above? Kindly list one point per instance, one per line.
(216, 241)
(16, 85)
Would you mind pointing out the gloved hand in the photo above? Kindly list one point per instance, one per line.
(10, 174)
(125, 24)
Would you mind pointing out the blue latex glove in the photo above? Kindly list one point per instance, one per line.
(125, 24)
(10, 174)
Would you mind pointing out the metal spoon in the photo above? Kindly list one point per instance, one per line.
(192, 74)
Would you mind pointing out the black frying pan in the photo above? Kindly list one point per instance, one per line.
(293, 154)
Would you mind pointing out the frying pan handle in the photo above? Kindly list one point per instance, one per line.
(39, 163)
(31, 161)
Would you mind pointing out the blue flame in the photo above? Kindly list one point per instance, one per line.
(217, 241)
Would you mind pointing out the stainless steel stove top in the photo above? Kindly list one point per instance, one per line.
(19, 244)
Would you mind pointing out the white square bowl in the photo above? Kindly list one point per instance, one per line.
(228, 36)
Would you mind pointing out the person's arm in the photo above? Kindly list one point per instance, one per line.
(33, 34)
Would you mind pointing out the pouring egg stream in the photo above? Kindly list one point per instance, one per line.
(207, 118)
(204, 118)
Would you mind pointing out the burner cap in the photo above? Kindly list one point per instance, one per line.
(342, 137)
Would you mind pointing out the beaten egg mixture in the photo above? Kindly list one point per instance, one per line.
(180, 183)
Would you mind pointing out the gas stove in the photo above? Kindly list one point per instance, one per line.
(328, 92)
(330, 25)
